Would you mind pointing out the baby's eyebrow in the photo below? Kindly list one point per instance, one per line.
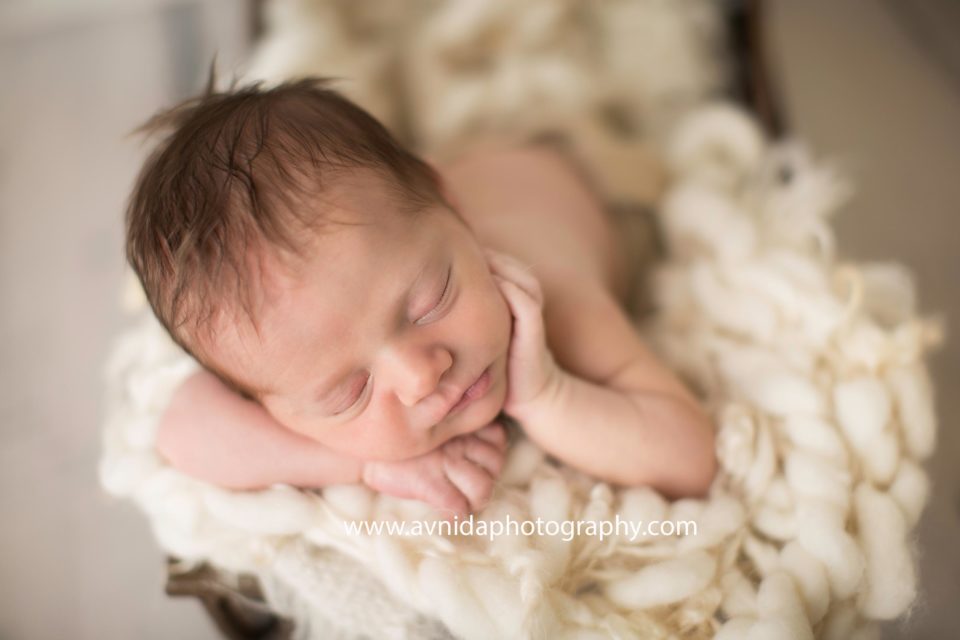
(324, 388)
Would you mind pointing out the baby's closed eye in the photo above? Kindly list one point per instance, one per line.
(356, 392)
(444, 296)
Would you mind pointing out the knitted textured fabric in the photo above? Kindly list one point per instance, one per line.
(812, 368)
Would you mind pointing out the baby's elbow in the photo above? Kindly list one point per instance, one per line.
(172, 445)
(168, 441)
(702, 475)
(694, 465)
(692, 478)
(702, 462)
(678, 458)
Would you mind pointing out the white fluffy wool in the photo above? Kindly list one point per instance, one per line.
(891, 576)
(820, 393)
(664, 582)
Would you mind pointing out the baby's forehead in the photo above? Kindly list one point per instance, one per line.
(346, 281)
(363, 263)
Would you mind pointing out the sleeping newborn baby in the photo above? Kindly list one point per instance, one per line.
(364, 316)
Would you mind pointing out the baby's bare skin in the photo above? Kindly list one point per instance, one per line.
(531, 203)
(616, 412)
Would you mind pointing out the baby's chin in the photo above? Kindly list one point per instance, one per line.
(483, 416)
(439, 436)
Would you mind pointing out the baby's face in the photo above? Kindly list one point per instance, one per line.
(367, 348)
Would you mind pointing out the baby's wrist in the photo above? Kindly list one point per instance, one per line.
(539, 409)
(312, 464)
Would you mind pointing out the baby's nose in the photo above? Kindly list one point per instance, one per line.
(419, 374)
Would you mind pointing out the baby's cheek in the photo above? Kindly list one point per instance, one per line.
(490, 317)
(374, 439)
(501, 322)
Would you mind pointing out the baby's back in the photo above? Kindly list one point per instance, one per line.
(530, 202)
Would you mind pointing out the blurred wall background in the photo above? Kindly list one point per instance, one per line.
(874, 84)
(74, 78)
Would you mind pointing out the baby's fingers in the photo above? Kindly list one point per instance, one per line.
(448, 498)
(484, 454)
(472, 480)
(494, 433)
(528, 329)
(513, 270)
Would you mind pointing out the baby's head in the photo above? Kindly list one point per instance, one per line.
(287, 242)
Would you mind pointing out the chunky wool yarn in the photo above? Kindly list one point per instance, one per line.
(812, 367)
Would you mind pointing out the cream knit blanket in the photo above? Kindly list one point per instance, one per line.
(813, 369)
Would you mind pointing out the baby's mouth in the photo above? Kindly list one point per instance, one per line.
(475, 391)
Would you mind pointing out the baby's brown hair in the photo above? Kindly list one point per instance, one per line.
(235, 173)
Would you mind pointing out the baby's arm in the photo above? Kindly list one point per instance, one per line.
(635, 425)
(215, 435)
(624, 435)
(211, 433)
(636, 420)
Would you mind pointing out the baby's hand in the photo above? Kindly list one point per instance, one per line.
(456, 477)
(532, 372)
